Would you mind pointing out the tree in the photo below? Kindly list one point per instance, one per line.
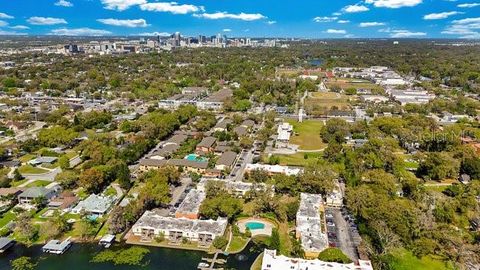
(275, 240)
(91, 180)
(318, 178)
(67, 178)
(64, 162)
(87, 228)
(223, 205)
(156, 191)
(26, 232)
(220, 242)
(56, 136)
(17, 176)
(333, 255)
(23, 263)
(438, 166)
(471, 166)
(335, 130)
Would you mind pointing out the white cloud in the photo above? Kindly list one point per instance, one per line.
(79, 32)
(64, 3)
(19, 27)
(371, 24)
(125, 23)
(5, 16)
(224, 15)
(10, 33)
(394, 3)
(45, 21)
(121, 5)
(406, 34)
(162, 34)
(3, 23)
(343, 21)
(464, 28)
(227, 30)
(468, 5)
(271, 22)
(355, 9)
(441, 15)
(336, 31)
(171, 7)
(324, 19)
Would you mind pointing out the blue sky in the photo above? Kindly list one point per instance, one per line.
(254, 18)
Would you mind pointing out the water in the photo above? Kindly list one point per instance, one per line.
(316, 62)
(254, 225)
(195, 157)
(79, 255)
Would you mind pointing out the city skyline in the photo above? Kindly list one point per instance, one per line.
(348, 19)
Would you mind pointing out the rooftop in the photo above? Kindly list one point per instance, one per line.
(191, 203)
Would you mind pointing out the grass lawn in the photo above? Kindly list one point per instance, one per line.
(298, 159)
(6, 218)
(238, 244)
(110, 191)
(71, 154)
(26, 157)
(39, 183)
(29, 169)
(307, 134)
(51, 166)
(257, 264)
(18, 183)
(320, 103)
(405, 260)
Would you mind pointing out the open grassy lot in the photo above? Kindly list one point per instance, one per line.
(298, 159)
(307, 134)
(29, 169)
(405, 260)
(26, 157)
(319, 103)
(345, 83)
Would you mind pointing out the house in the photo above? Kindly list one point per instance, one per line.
(206, 145)
(66, 200)
(284, 131)
(5, 243)
(222, 125)
(240, 131)
(151, 225)
(222, 147)
(190, 206)
(187, 165)
(10, 192)
(96, 205)
(272, 261)
(237, 188)
(226, 161)
(42, 160)
(33, 193)
(311, 227)
(273, 169)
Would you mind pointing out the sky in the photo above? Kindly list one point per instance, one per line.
(244, 18)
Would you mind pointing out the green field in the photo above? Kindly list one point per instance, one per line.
(307, 134)
(29, 169)
(320, 103)
(405, 260)
(298, 159)
(6, 218)
(238, 244)
(345, 83)
(39, 183)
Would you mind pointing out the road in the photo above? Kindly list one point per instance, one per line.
(25, 134)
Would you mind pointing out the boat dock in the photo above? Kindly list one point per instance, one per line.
(57, 247)
(211, 263)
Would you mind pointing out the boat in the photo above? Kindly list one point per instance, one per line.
(107, 240)
(203, 265)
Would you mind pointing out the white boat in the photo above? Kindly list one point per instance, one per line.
(203, 265)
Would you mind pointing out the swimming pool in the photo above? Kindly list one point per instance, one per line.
(254, 225)
(195, 157)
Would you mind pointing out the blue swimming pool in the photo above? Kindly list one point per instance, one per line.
(195, 157)
(252, 225)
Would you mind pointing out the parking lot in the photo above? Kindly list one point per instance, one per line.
(342, 231)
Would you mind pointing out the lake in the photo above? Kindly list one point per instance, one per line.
(79, 255)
